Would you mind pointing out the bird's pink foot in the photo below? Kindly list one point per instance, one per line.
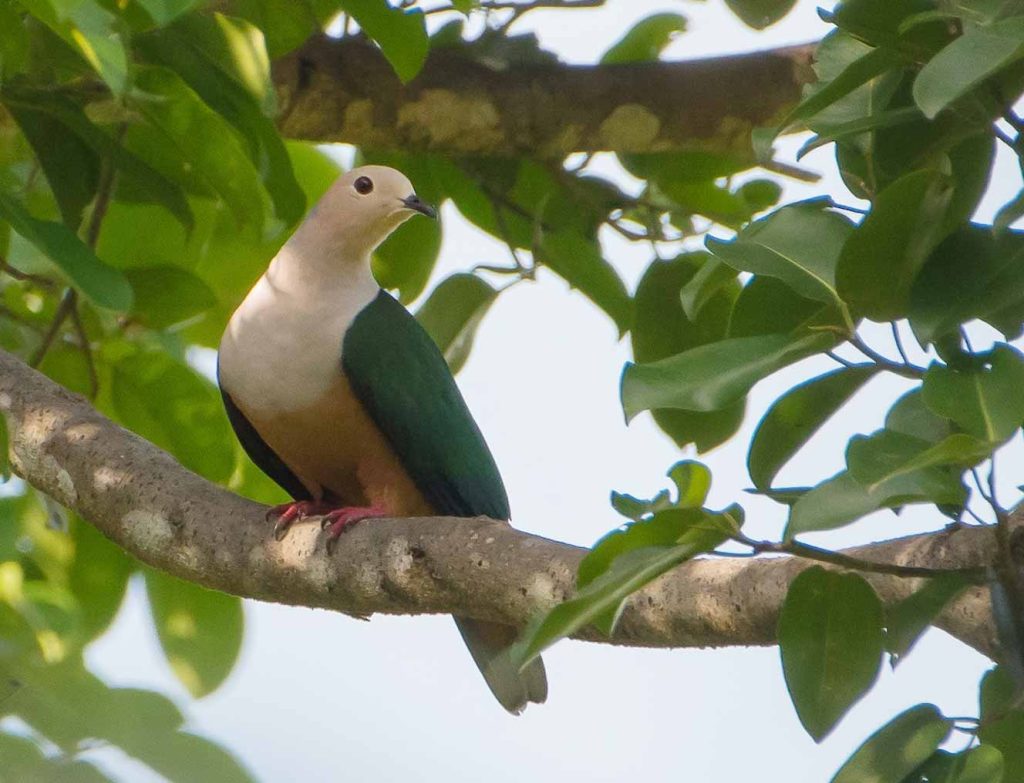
(338, 520)
(287, 513)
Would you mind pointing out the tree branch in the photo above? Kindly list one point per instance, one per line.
(344, 90)
(143, 500)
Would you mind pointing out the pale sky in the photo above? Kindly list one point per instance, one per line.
(317, 696)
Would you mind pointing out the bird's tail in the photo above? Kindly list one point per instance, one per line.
(489, 644)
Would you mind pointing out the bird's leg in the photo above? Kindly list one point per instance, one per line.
(284, 515)
(338, 520)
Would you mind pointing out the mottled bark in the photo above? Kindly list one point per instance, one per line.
(143, 500)
(344, 90)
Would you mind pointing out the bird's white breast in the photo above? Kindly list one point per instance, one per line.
(282, 347)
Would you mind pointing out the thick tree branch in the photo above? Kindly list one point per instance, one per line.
(170, 518)
(344, 90)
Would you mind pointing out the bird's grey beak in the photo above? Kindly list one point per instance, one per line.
(414, 203)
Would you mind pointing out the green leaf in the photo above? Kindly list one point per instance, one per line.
(1010, 212)
(98, 578)
(202, 138)
(885, 455)
(766, 305)
(71, 167)
(799, 245)
(910, 416)
(882, 258)
(163, 12)
(791, 421)
(985, 401)
(580, 263)
(92, 31)
(5, 448)
(911, 617)
(682, 533)
(200, 630)
(406, 259)
(897, 748)
(983, 764)
(712, 377)
(177, 409)
(1002, 727)
(134, 172)
(187, 757)
(966, 62)
(841, 499)
(14, 40)
(105, 286)
(760, 14)
(661, 329)
(830, 637)
(708, 281)
(646, 39)
(452, 314)
(971, 274)
(167, 295)
(225, 61)
(401, 35)
(692, 480)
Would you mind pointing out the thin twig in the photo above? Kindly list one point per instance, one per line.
(86, 348)
(67, 304)
(25, 277)
(810, 552)
(837, 358)
(906, 370)
(899, 344)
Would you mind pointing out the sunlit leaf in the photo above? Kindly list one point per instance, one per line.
(401, 34)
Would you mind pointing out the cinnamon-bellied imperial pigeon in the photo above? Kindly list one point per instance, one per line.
(338, 394)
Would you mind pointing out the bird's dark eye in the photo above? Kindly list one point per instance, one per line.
(363, 185)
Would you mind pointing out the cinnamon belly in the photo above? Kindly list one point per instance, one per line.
(334, 448)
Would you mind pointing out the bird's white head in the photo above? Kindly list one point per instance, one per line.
(360, 210)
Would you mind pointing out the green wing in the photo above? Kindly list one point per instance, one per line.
(402, 380)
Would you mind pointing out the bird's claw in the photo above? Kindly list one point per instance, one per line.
(339, 520)
(285, 515)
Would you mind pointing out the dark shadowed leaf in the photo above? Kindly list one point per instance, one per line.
(103, 285)
(911, 617)
(167, 295)
(200, 630)
(661, 328)
(72, 168)
(92, 31)
(646, 39)
(971, 274)
(714, 376)
(452, 314)
(796, 416)
(985, 401)
(766, 305)
(966, 62)
(401, 34)
(882, 258)
(708, 281)
(896, 749)
(760, 14)
(830, 637)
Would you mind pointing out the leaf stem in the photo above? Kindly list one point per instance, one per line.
(67, 304)
(899, 343)
(820, 555)
(906, 369)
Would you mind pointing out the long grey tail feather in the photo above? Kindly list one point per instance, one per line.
(489, 644)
